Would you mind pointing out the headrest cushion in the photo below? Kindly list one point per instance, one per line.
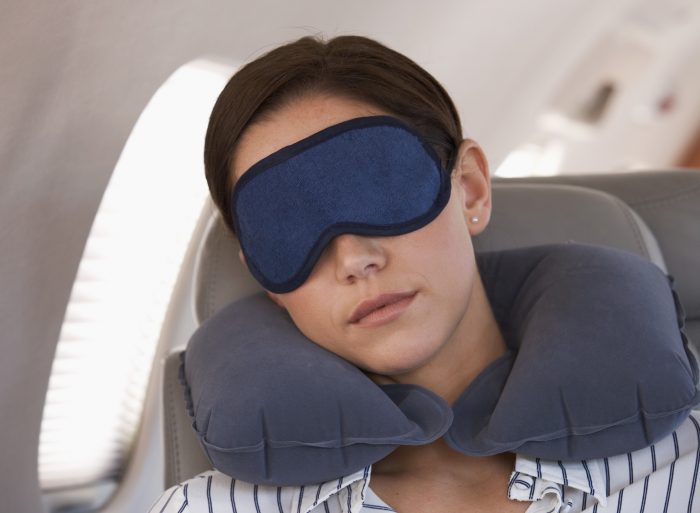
(599, 363)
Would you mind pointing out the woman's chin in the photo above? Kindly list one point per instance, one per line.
(400, 367)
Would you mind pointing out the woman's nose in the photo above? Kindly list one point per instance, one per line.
(357, 256)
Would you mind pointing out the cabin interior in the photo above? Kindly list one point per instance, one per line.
(104, 107)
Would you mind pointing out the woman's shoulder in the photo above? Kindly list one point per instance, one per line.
(212, 490)
(662, 472)
(177, 498)
(215, 491)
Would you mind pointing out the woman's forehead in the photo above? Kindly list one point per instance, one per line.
(292, 123)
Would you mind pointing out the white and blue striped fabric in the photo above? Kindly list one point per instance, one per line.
(661, 478)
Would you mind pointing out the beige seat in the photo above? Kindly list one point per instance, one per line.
(654, 214)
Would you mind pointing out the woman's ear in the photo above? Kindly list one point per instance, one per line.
(472, 180)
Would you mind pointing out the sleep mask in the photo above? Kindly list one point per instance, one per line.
(369, 176)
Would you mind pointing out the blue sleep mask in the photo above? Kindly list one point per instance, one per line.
(369, 176)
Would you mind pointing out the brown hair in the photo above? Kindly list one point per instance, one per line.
(352, 66)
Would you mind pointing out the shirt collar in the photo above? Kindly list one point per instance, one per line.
(584, 475)
(349, 490)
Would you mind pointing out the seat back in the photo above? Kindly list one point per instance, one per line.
(669, 204)
(656, 215)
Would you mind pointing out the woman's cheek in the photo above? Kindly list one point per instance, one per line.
(312, 317)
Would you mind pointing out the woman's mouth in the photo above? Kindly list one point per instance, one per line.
(385, 314)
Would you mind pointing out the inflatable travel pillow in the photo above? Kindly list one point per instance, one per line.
(598, 364)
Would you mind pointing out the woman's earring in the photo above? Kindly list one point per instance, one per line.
(474, 220)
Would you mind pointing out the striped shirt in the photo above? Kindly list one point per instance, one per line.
(661, 478)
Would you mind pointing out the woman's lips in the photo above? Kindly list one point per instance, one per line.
(386, 313)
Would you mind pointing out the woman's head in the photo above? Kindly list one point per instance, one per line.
(435, 263)
(350, 66)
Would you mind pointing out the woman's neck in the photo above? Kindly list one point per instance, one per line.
(475, 343)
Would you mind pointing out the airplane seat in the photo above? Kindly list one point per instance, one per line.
(668, 202)
(654, 214)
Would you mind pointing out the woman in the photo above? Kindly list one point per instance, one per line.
(440, 331)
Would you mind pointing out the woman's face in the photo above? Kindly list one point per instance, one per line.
(436, 262)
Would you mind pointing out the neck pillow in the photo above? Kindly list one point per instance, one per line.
(598, 364)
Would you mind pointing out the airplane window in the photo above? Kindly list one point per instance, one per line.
(120, 295)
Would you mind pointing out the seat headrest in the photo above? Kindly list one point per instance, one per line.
(668, 201)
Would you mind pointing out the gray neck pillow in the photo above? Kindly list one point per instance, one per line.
(598, 364)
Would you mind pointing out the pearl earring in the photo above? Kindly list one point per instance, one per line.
(474, 219)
